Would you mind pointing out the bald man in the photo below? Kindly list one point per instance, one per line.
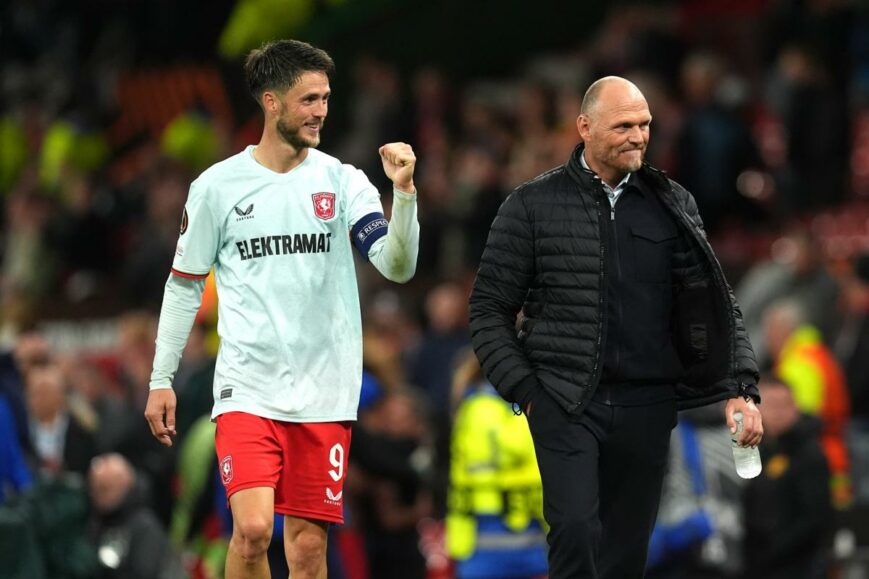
(130, 541)
(624, 317)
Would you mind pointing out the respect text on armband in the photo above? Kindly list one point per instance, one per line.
(370, 228)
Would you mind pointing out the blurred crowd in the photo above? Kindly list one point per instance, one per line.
(760, 108)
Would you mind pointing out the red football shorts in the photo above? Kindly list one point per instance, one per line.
(304, 462)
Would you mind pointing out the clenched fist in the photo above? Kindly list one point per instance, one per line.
(398, 164)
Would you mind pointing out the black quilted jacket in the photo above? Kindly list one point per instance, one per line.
(544, 265)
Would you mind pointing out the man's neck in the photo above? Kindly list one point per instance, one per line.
(275, 154)
(612, 180)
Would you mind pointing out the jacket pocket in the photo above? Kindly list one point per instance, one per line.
(653, 249)
(547, 417)
(698, 338)
(700, 323)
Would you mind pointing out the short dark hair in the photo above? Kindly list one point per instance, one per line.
(278, 65)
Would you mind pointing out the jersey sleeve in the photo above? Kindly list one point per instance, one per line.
(394, 255)
(364, 211)
(181, 300)
(199, 240)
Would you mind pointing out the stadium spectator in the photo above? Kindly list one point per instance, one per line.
(795, 270)
(131, 542)
(29, 350)
(788, 513)
(433, 359)
(715, 143)
(60, 441)
(494, 524)
(851, 348)
(803, 362)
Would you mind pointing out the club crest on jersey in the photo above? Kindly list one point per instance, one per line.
(226, 469)
(324, 205)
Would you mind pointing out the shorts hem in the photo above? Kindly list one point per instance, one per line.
(250, 485)
(302, 514)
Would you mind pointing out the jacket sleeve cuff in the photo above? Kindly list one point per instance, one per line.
(750, 390)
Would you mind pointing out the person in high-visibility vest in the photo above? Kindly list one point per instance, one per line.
(495, 526)
(809, 368)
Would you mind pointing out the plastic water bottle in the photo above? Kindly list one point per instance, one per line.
(746, 458)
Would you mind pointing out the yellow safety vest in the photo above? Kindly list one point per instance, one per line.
(493, 471)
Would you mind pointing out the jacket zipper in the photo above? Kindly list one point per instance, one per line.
(602, 225)
(617, 258)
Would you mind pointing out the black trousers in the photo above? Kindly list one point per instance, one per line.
(602, 474)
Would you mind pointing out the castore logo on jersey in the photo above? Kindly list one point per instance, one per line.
(246, 214)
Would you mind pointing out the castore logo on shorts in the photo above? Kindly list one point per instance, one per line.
(332, 498)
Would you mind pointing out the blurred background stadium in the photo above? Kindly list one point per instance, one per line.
(108, 109)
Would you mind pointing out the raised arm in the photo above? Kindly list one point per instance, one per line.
(392, 246)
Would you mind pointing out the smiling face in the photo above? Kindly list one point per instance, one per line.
(303, 109)
(615, 129)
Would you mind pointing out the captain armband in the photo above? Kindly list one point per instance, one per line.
(367, 230)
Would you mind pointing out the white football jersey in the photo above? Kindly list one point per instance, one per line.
(281, 247)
